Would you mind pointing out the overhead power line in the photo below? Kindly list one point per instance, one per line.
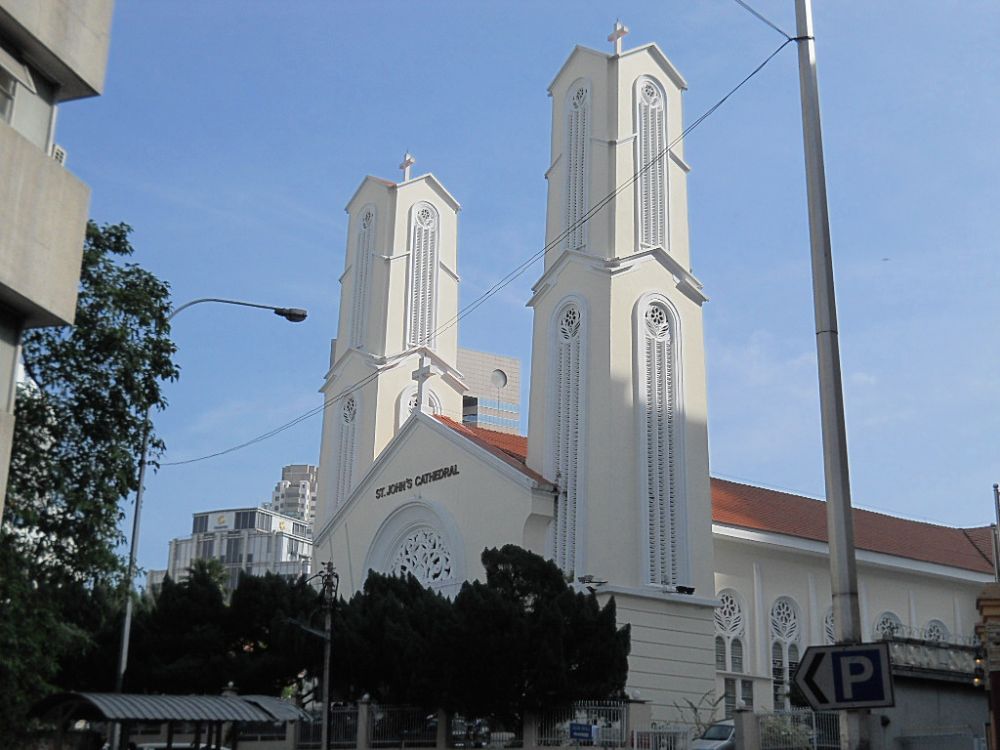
(509, 278)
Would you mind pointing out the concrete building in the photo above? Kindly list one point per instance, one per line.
(251, 540)
(295, 494)
(724, 585)
(51, 51)
(493, 398)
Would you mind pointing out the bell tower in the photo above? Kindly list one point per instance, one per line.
(618, 396)
(398, 304)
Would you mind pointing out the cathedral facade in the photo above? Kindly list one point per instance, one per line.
(612, 481)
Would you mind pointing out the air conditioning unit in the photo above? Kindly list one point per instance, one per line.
(59, 153)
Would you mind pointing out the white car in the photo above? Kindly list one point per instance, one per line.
(719, 736)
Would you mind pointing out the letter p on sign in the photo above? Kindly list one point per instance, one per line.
(854, 670)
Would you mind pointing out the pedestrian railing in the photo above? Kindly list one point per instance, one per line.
(662, 739)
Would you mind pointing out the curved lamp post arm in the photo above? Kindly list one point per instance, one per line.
(291, 314)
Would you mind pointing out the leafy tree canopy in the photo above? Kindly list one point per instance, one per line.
(79, 426)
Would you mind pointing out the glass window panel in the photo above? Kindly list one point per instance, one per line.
(720, 653)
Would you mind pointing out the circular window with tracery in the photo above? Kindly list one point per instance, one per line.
(657, 321)
(424, 556)
(887, 626)
(650, 94)
(425, 216)
(350, 410)
(569, 323)
(936, 631)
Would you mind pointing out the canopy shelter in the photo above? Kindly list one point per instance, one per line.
(209, 711)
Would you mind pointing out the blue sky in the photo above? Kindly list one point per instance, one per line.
(231, 134)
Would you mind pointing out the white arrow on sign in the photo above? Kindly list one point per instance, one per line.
(834, 677)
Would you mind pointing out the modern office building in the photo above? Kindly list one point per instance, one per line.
(295, 494)
(51, 51)
(252, 540)
(493, 398)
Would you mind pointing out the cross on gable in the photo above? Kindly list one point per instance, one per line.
(408, 161)
(616, 36)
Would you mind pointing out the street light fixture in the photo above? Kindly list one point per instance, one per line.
(291, 314)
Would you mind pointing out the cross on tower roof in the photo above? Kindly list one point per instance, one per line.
(616, 35)
(408, 161)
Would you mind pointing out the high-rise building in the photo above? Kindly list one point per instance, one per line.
(295, 494)
(493, 398)
(50, 52)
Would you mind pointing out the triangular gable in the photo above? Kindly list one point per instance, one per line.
(577, 50)
(475, 449)
(385, 184)
(435, 183)
(652, 48)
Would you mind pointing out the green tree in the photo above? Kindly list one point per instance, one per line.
(80, 423)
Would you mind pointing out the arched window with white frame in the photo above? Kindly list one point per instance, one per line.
(346, 449)
(408, 404)
(363, 252)
(656, 392)
(785, 634)
(937, 632)
(651, 162)
(424, 239)
(730, 641)
(567, 371)
(576, 152)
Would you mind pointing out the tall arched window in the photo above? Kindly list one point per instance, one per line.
(424, 234)
(577, 152)
(345, 455)
(362, 274)
(651, 145)
(567, 370)
(784, 648)
(730, 635)
(656, 394)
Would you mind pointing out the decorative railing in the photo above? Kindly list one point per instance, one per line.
(678, 738)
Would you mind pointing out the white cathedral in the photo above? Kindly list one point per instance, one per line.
(612, 481)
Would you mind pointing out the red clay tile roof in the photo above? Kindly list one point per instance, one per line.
(750, 507)
(761, 509)
(511, 449)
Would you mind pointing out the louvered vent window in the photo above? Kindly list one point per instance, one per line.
(362, 281)
(657, 414)
(566, 433)
(424, 233)
(577, 150)
(345, 457)
(652, 183)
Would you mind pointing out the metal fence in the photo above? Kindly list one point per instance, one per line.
(799, 730)
(661, 739)
(466, 732)
(401, 726)
(608, 720)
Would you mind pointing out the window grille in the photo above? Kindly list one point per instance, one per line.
(568, 373)
(423, 555)
(345, 457)
(651, 187)
(362, 282)
(576, 151)
(785, 631)
(887, 626)
(424, 237)
(657, 412)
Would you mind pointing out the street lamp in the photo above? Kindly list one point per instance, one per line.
(291, 314)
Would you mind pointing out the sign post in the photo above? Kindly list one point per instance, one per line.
(844, 677)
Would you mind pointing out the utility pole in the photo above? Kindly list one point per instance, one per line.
(330, 580)
(840, 526)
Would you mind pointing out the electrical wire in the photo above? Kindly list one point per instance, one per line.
(509, 278)
(761, 18)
